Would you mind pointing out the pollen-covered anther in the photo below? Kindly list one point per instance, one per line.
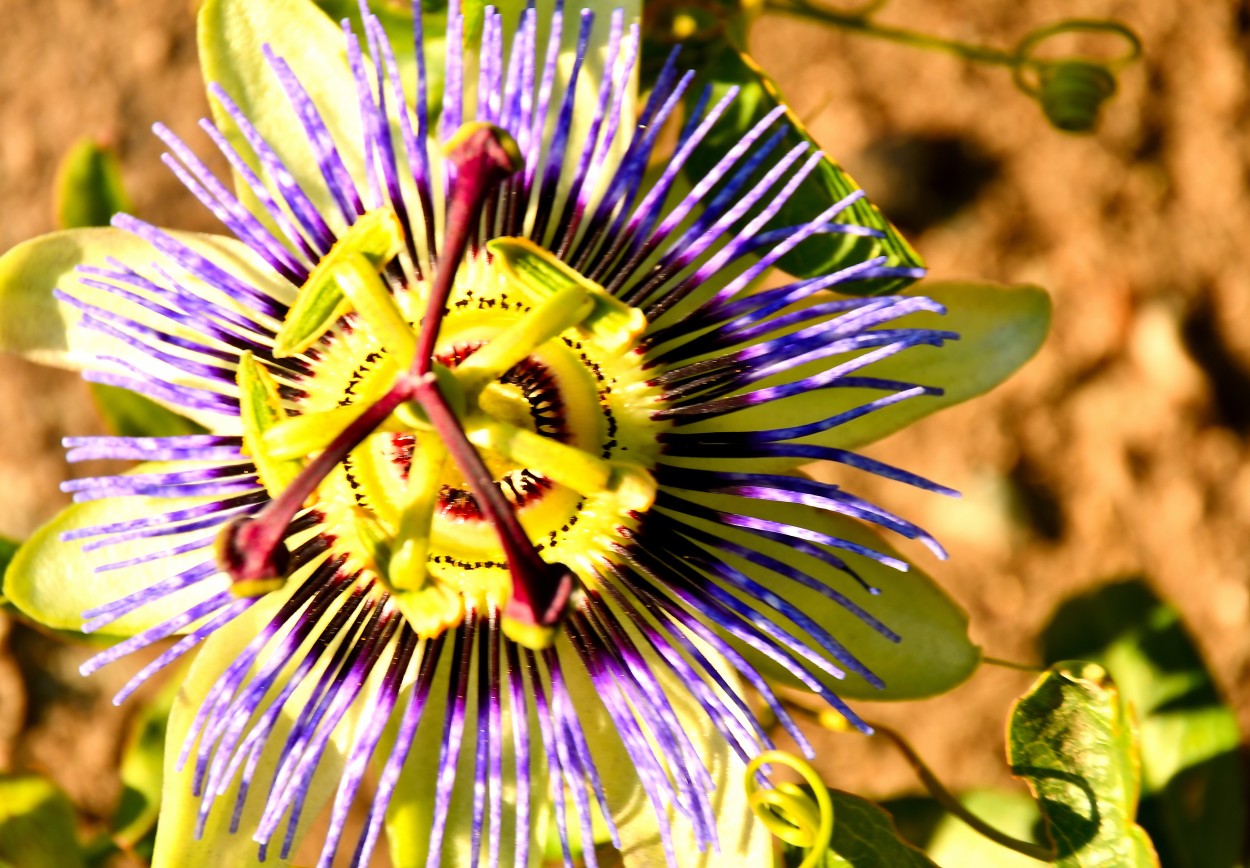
(344, 277)
(589, 474)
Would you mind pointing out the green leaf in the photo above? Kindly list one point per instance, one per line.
(129, 414)
(950, 841)
(142, 769)
(231, 36)
(1072, 741)
(1000, 328)
(8, 548)
(54, 582)
(89, 188)
(1193, 787)
(37, 824)
(725, 67)
(863, 837)
(934, 654)
(176, 842)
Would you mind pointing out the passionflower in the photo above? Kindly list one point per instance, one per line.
(497, 492)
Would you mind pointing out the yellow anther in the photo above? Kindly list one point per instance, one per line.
(377, 237)
(533, 636)
(369, 295)
(260, 410)
(431, 610)
(612, 324)
(565, 464)
(312, 432)
(551, 317)
(412, 540)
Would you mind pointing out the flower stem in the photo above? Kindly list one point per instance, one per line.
(949, 802)
(1011, 664)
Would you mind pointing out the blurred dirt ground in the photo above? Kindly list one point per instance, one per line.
(1122, 449)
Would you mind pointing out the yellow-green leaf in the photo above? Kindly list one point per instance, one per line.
(89, 188)
(36, 825)
(1072, 741)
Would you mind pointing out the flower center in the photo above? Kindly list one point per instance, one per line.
(453, 459)
(565, 433)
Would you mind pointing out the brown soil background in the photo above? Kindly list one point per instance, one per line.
(1121, 449)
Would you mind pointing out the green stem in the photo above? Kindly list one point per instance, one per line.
(947, 800)
(1011, 664)
(938, 791)
(860, 23)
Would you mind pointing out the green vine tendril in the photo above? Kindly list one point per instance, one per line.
(1071, 90)
(787, 810)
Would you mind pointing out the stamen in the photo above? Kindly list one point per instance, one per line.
(260, 410)
(412, 539)
(632, 484)
(375, 237)
(251, 549)
(556, 314)
(541, 275)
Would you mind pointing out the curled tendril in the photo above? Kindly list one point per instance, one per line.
(1071, 90)
(789, 811)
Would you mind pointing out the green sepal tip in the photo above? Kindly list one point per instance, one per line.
(89, 188)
